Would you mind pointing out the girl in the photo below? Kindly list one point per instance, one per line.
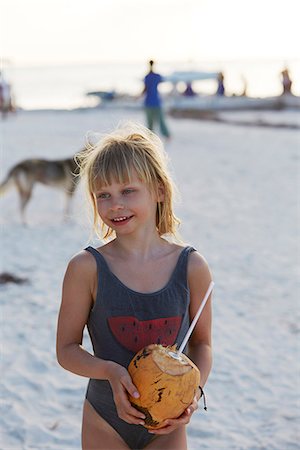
(124, 288)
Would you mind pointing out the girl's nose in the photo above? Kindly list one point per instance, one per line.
(116, 204)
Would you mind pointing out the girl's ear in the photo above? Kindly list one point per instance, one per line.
(161, 193)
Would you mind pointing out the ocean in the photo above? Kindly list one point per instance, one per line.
(65, 86)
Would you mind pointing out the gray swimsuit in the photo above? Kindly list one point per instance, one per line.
(123, 321)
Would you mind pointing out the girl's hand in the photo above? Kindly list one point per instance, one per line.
(171, 424)
(122, 385)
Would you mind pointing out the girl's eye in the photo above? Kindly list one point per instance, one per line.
(127, 191)
(103, 195)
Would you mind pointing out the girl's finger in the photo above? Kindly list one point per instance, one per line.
(137, 420)
(135, 412)
(128, 408)
(130, 388)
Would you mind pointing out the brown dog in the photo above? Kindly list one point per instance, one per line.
(60, 173)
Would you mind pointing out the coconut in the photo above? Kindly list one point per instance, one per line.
(167, 382)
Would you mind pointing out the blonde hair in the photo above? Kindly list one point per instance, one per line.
(129, 147)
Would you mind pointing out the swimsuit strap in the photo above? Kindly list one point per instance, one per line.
(180, 272)
(98, 257)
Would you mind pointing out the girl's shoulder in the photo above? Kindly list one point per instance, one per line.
(199, 279)
(82, 263)
(195, 259)
(198, 265)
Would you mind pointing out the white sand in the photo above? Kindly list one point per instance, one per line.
(238, 206)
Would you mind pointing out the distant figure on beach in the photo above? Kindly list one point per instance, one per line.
(6, 105)
(286, 82)
(153, 102)
(245, 87)
(189, 91)
(136, 289)
(220, 89)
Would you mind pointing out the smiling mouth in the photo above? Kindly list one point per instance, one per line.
(121, 219)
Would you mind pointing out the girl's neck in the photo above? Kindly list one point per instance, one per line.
(142, 247)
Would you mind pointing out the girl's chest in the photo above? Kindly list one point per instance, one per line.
(144, 277)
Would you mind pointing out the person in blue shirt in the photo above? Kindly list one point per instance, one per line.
(153, 103)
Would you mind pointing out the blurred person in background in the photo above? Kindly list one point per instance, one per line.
(153, 103)
(5, 97)
(189, 91)
(286, 82)
(220, 89)
(245, 86)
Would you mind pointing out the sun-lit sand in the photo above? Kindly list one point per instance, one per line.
(238, 207)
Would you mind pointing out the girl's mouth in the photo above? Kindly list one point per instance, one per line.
(121, 220)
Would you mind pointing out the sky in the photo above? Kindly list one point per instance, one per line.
(42, 32)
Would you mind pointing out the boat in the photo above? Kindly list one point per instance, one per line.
(102, 95)
(116, 100)
(192, 104)
(178, 103)
(213, 103)
(188, 76)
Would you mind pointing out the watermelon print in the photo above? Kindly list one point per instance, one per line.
(134, 334)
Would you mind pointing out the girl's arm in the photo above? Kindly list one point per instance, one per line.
(199, 347)
(77, 301)
(79, 289)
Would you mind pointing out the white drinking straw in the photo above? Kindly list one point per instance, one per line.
(192, 326)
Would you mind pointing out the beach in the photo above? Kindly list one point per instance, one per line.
(238, 206)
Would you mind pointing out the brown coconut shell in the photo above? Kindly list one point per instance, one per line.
(167, 385)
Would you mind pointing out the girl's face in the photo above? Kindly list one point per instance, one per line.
(127, 207)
